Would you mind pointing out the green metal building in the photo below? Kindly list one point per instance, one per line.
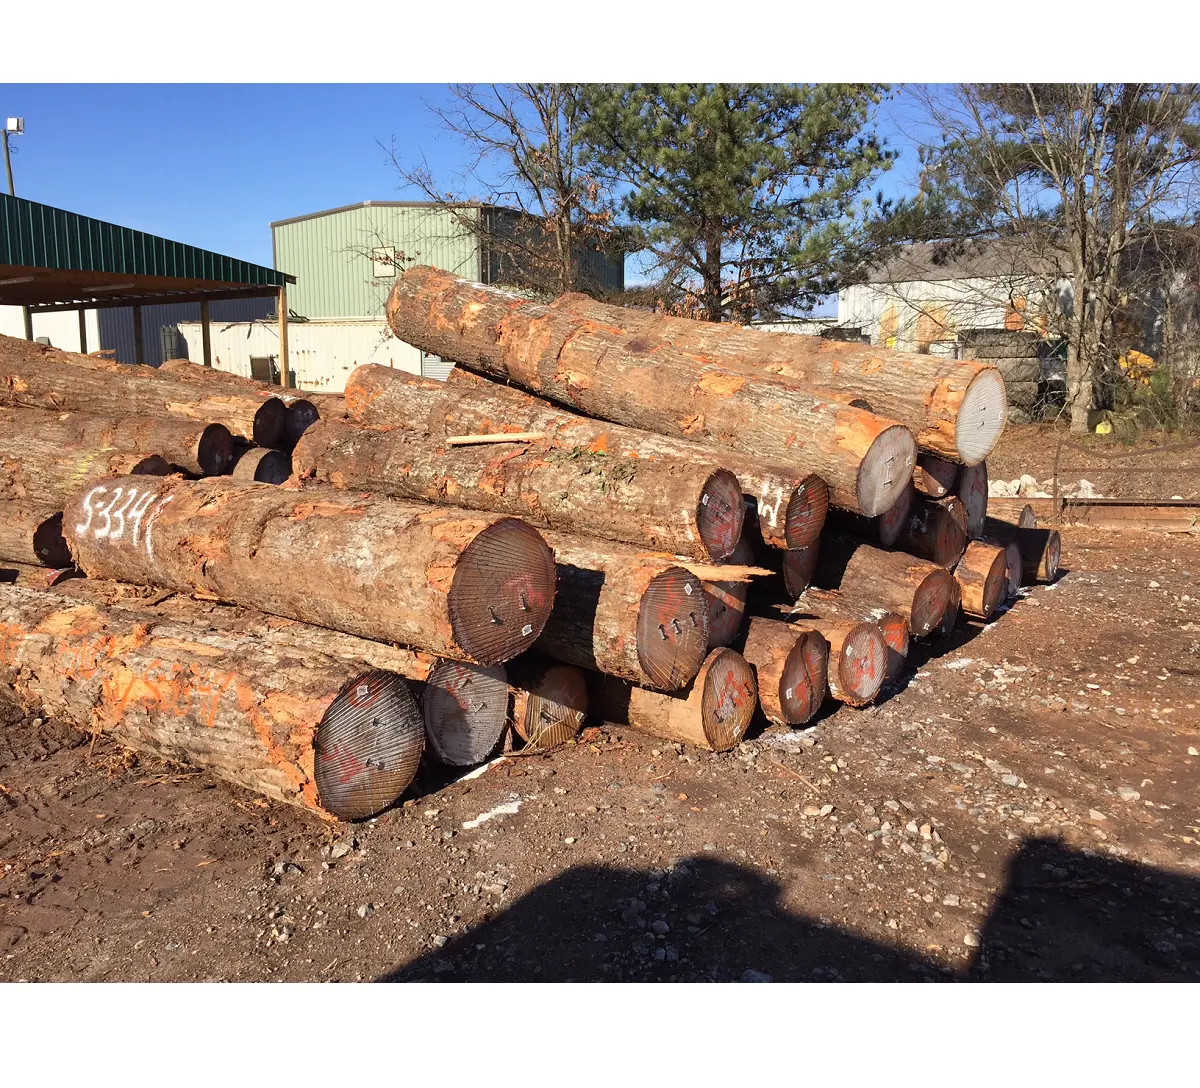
(345, 259)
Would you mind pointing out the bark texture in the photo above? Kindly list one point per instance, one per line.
(982, 576)
(286, 723)
(790, 665)
(32, 533)
(470, 587)
(713, 712)
(604, 372)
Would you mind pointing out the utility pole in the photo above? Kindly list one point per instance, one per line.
(15, 125)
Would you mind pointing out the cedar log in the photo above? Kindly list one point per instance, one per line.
(790, 665)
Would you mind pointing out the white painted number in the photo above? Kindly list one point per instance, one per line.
(87, 508)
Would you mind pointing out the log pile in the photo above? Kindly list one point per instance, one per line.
(602, 513)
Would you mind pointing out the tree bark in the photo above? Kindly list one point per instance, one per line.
(603, 372)
(713, 712)
(61, 380)
(262, 466)
(790, 665)
(982, 576)
(884, 530)
(31, 532)
(833, 605)
(936, 530)
(466, 712)
(684, 509)
(342, 740)
(466, 586)
(956, 409)
(934, 476)
(621, 611)
(49, 457)
(789, 506)
(971, 488)
(550, 701)
(920, 591)
(1041, 549)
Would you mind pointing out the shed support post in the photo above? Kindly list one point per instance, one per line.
(28, 318)
(83, 332)
(139, 349)
(205, 335)
(285, 373)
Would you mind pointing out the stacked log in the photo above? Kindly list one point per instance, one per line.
(971, 487)
(264, 466)
(830, 604)
(791, 665)
(550, 701)
(982, 576)
(1040, 549)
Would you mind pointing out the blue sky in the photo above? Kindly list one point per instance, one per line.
(214, 165)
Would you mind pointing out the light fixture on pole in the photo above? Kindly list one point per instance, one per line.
(15, 126)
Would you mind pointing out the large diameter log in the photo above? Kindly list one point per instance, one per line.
(684, 509)
(294, 725)
(466, 712)
(936, 530)
(467, 586)
(972, 491)
(623, 612)
(934, 476)
(982, 575)
(604, 372)
(831, 604)
(790, 665)
(858, 658)
(550, 701)
(62, 380)
(31, 532)
(899, 582)
(789, 506)
(50, 456)
(262, 466)
(884, 530)
(713, 712)
(1041, 549)
(726, 601)
(956, 409)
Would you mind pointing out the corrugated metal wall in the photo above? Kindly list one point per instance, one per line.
(116, 325)
(330, 255)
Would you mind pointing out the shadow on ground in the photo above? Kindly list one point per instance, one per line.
(1063, 916)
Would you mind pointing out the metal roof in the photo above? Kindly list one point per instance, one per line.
(52, 259)
(386, 204)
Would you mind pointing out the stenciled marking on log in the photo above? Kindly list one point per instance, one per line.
(113, 523)
(768, 507)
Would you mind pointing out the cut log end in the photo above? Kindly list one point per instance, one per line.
(725, 602)
(930, 602)
(720, 514)
(367, 746)
(886, 470)
(301, 414)
(894, 628)
(982, 576)
(805, 678)
(799, 565)
(806, 511)
(214, 451)
(263, 466)
(49, 544)
(934, 476)
(502, 592)
(672, 629)
(981, 416)
(270, 424)
(1012, 555)
(893, 520)
(972, 490)
(858, 666)
(555, 707)
(1052, 557)
(1027, 519)
(466, 712)
(728, 700)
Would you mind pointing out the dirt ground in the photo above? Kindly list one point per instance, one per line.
(1023, 808)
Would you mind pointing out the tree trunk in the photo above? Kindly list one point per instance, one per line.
(982, 576)
(726, 601)
(31, 532)
(684, 509)
(1041, 549)
(714, 712)
(790, 665)
(470, 587)
(920, 591)
(956, 409)
(884, 530)
(262, 466)
(620, 611)
(49, 457)
(61, 380)
(1080, 364)
(550, 701)
(603, 372)
(789, 507)
(830, 604)
(301, 727)
(936, 530)
(466, 712)
(934, 476)
(972, 491)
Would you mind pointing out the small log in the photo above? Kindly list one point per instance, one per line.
(550, 701)
(48, 457)
(982, 575)
(790, 665)
(471, 587)
(685, 509)
(936, 531)
(934, 477)
(917, 589)
(1041, 549)
(972, 490)
(621, 611)
(713, 712)
(32, 533)
(262, 466)
(466, 712)
(831, 604)
(485, 439)
(601, 371)
(858, 658)
(884, 530)
(726, 601)
(301, 415)
(298, 726)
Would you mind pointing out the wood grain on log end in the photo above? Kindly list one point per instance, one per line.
(806, 511)
(720, 515)
(799, 565)
(49, 544)
(368, 746)
(1013, 556)
(981, 416)
(972, 489)
(890, 524)
(550, 702)
(502, 592)
(726, 601)
(1027, 518)
(931, 600)
(790, 664)
(270, 424)
(672, 628)
(728, 698)
(215, 452)
(263, 466)
(466, 712)
(982, 576)
(886, 470)
(858, 658)
(949, 619)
